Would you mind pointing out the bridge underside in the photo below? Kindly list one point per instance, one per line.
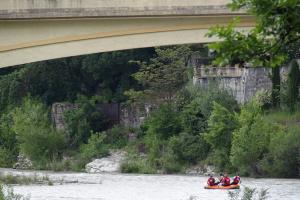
(25, 41)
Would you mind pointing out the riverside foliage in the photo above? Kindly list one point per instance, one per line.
(189, 126)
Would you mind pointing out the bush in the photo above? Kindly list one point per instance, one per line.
(7, 158)
(169, 162)
(95, 148)
(38, 139)
(163, 122)
(10, 195)
(116, 137)
(248, 194)
(9, 147)
(293, 86)
(137, 166)
(284, 150)
(134, 163)
(189, 148)
(221, 124)
(200, 105)
(81, 121)
(251, 140)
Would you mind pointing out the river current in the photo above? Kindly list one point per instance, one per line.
(79, 186)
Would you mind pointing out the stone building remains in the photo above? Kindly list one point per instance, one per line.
(243, 83)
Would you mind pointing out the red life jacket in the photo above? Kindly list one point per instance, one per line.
(211, 181)
(226, 181)
(236, 180)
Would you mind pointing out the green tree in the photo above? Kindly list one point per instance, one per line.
(284, 149)
(94, 148)
(163, 122)
(9, 147)
(164, 74)
(277, 28)
(293, 85)
(81, 121)
(38, 139)
(188, 149)
(221, 124)
(198, 106)
(251, 140)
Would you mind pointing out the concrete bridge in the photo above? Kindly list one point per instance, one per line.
(36, 30)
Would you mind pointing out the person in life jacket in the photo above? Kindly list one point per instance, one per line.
(211, 181)
(236, 180)
(226, 180)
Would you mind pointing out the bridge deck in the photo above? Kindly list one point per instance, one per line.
(39, 9)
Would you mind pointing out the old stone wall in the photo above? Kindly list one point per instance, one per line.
(133, 115)
(57, 113)
(243, 83)
(110, 110)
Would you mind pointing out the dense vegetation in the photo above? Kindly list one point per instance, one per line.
(27, 93)
(189, 125)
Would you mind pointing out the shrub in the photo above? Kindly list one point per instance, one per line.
(10, 195)
(221, 124)
(153, 145)
(249, 194)
(7, 158)
(293, 86)
(137, 166)
(284, 150)
(135, 163)
(9, 147)
(81, 121)
(38, 139)
(116, 137)
(95, 148)
(169, 162)
(196, 112)
(163, 122)
(189, 148)
(251, 140)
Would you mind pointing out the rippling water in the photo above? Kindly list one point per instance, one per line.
(145, 187)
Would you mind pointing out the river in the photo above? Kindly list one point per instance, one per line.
(80, 186)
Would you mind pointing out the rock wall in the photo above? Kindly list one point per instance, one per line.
(243, 83)
(57, 113)
(110, 110)
(133, 115)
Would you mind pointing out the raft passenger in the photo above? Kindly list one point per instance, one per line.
(211, 181)
(226, 180)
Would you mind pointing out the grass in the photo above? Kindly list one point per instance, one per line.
(284, 117)
(140, 165)
(248, 194)
(9, 179)
(8, 194)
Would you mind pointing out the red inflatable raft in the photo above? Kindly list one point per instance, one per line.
(222, 187)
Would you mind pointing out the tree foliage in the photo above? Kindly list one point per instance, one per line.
(293, 86)
(251, 140)
(221, 124)
(277, 29)
(284, 149)
(81, 121)
(164, 74)
(9, 147)
(38, 139)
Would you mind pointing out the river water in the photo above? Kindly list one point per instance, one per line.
(80, 186)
